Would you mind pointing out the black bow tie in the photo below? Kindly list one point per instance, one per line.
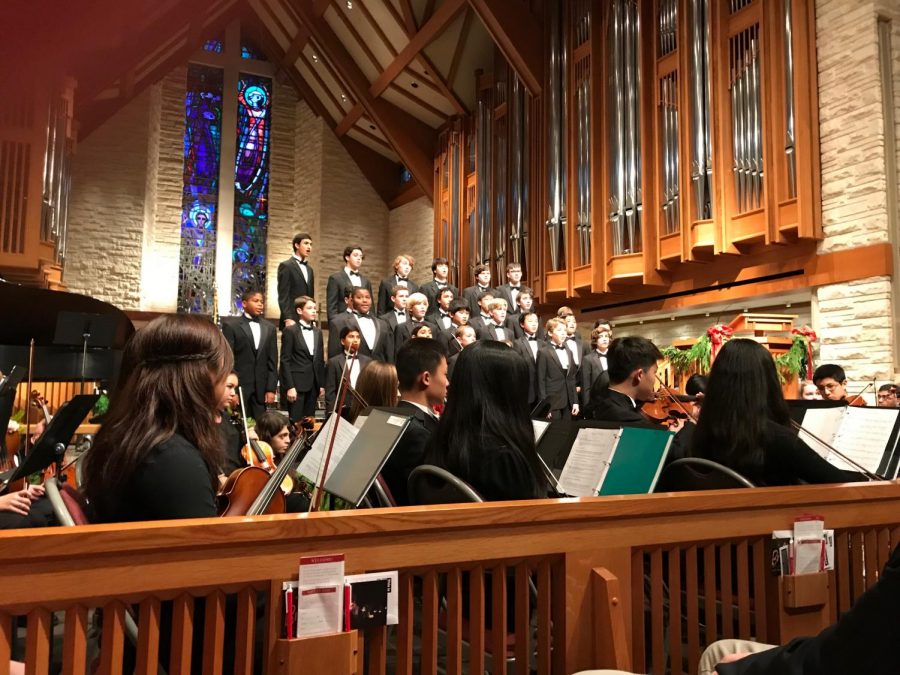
(483, 288)
(354, 274)
(254, 319)
(560, 347)
(402, 278)
(302, 262)
(399, 312)
(361, 315)
(441, 284)
(532, 338)
(306, 327)
(514, 288)
(444, 315)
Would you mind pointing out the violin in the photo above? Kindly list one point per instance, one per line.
(251, 491)
(259, 454)
(668, 407)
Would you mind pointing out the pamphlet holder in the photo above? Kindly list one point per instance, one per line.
(800, 605)
(334, 653)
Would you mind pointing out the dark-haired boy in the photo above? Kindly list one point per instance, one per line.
(528, 345)
(422, 374)
(349, 337)
(302, 362)
(295, 278)
(440, 314)
(831, 381)
(512, 288)
(349, 276)
(482, 285)
(255, 350)
(377, 340)
(397, 314)
(440, 270)
(596, 363)
(459, 313)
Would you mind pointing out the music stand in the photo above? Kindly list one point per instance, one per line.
(51, 446)
(85, 330)
(353, 476)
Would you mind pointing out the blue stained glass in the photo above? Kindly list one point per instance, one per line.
(251, 187)
(200, 194)
(214, 46)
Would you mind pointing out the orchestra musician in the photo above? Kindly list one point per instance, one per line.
(831, 382)
(158, 453)
(745, 424)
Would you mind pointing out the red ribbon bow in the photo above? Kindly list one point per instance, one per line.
(718, 336)
(810, 335)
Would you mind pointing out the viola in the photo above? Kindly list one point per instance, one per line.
(259, 454)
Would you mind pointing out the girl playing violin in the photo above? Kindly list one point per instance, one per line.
(158, 453)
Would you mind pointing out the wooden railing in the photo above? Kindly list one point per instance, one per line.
(682, 569)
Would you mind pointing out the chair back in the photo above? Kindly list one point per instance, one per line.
(383, 493)
(695, 473)
(433, 485)
(75, 503)
(68, 505)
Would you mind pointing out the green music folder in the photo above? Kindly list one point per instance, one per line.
(636, 462)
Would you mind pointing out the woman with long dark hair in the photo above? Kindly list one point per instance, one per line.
(158, 453)
(485, 436)
(745, 424)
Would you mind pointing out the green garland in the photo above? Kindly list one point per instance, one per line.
(697, 359)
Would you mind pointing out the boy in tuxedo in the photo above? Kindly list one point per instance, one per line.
(482, 285)
(377, 341)
(295, 278)
(253, 344)
(422, 376)
(525, 302)
(417, 306)
(459, 313)
(556, 373)
(350, 341)
(440, 268)
(511, 290)
(482, 316)
(496, 328)
(403, 265)
(595, 365)
(465, 336)
(349, 276)
(397, 313)
(440, 315)
(302, 361)
(528, 345)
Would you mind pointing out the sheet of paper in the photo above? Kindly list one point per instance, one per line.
(393, 613)
(863, 436)
(346, 432)
(320, 610)
(588, 461)
(823, 423)
(321, 570)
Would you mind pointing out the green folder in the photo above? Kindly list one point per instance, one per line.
(636, 462)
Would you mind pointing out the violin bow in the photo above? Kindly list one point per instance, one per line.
(862, 391)
(871, 475)
(668, 392)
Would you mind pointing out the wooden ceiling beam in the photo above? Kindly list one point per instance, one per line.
(409, 17)
(411, 139)
(518, 34)
(349, 120)
(94, 116)
(430, 30)
(440, 85)
(460, 44)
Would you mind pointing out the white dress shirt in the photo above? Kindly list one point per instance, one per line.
(304, 268)
(308, 334)
(255, 330)
(367, 328)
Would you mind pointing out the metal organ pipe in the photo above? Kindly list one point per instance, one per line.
(556, 159)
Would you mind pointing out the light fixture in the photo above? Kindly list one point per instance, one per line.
(315, 59)
(349, 4)
(343, 98)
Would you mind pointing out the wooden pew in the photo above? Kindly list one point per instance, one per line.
(659, 549)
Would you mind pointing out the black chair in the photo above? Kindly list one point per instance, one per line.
(430, 484)
(695, 473)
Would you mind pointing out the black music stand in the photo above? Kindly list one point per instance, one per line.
(85, 330)
(51, 446)
(7, 399)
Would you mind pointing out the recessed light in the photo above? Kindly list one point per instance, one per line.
(349, 4)
(372, 127)
(315, 59)
(343, 97)
(414, 85)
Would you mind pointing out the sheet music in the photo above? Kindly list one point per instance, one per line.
(824, 423)
(863, 436)
(346, 432)
(588, 461)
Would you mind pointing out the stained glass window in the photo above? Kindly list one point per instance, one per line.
(199, 201)
(214, 46)
(251, 187)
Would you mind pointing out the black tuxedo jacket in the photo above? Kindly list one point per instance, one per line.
(593, 374)
(553, 382)
(301, 370)
(489, 332)
(291, 285)
(471, 294)
(257, 369)
(521, 345)
(333, 370)
(608, 405)
(430, 290)
(383, 350)
(384, 293)
(403, 332)
(410, 451)
(334, 292)
(391, 319)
